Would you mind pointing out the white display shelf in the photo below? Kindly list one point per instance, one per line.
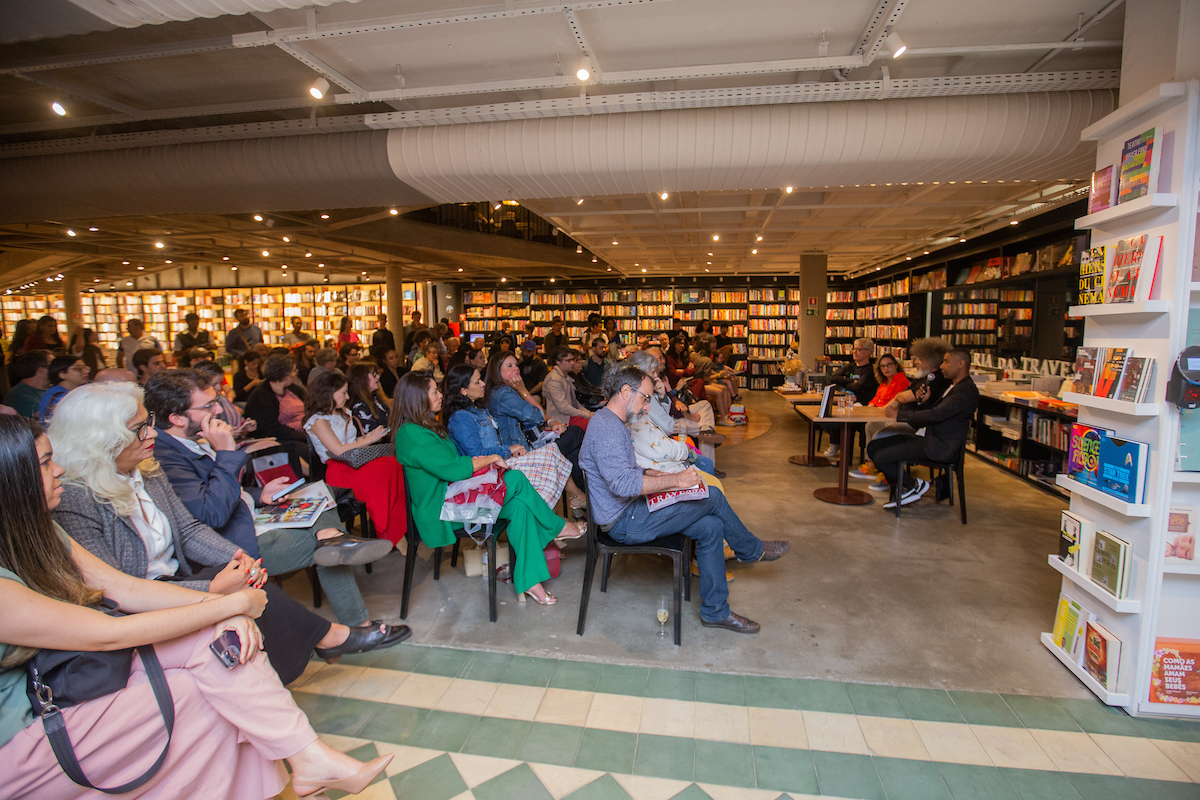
(1180, 568)
(1163, 94)
(1171, 709)
(1194, 287)
(1185, 477)
(1085, 583)
(1109, 698)
(1115, 406)
(1151, 203)
(1141, 307)
(1106, 500)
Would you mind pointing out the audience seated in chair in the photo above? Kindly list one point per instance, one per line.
(131, 518)
(653, 446)
(617, 485)
(232, 726)
(558, 390)
(368, 403)
(946, 421)
(196, 451)
(431, 463)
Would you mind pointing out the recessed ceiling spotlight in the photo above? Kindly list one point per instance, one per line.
(460, 269)
(754, 252)
(224, 258)
(664, 195)
(308, 255)
(93, 229)
(124, 262)
(159, 245)
(258, 217)
(266, 253)
(395, 211)
(324, 216)
(1013, 222)
(643, 269)
(504, 280)
(758, 239)
(579, 202)
(583, 73)
(70, 232)
(716, 237)
(789, 189)
(319, 88)
(286, 239)
(58, 108)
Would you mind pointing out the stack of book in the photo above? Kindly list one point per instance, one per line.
(1114, 373)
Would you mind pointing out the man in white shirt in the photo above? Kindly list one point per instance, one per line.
(137, 339)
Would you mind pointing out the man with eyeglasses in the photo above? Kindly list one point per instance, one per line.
(205, 468)
(558, 390)
(616, 488)
(858, 377)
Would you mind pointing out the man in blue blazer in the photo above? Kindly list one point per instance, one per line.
(205, 467)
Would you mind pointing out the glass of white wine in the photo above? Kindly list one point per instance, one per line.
(663, 614)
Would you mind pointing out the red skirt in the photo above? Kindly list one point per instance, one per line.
(380, 484)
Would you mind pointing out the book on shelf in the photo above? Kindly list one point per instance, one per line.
(1134, 267)
(1075, 541)
(1108, 378)
(1102, 655)
(1093, 266)
(1070, 622)
(1181, 534)
(1101, 195)
(1083, 455)
(1136, 379)
(1123, 465)
(1140, 158)
(1111, 559)
(1086, 361)
(1175, 676)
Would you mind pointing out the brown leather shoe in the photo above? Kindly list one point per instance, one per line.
(734, 622)
(774, 550)
(712, 438)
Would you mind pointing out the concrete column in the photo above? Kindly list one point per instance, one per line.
(812, 325)
(1159, 44)
(72, 306)
(394, 276)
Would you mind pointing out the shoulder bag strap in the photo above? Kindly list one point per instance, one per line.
(64, 751)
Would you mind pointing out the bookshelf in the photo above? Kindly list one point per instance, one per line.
(772, 325)
(1167, 597)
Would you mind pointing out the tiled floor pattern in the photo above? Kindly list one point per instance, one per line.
(469, 724)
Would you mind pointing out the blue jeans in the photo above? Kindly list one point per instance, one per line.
(286, 549)
(711, 523)
(705, 464)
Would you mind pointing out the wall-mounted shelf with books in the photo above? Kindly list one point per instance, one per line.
(1151, 203)
(1100, 498)
(1109, 698)
(1134, 309)
(1115, 406)
(1163, 95)
(1089, 586)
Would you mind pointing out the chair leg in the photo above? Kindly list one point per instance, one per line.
(949, 473)
(679, 577)
(410, 565)
(491, 574)
(454, 553)
(898, 489)
(689, 551)
(316, 586)
(437, 563)
(589, 572)
(367, 529)
(604, 572)
(962, 494)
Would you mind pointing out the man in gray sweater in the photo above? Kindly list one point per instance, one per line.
(616, 486)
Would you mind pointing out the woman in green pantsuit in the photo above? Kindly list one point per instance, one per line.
(431, 462)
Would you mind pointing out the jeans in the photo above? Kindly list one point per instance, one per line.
(705, 464)
(711, 523)
(287, 549)
(887, 453)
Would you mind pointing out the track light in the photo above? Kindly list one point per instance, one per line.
(583, 73)
(70, 232)
(266, 253)
(93, 229)
(716, 237)
(258, 217)
(664, 195)
(1013, 222)
(894, 44)
(318, 89)
(159, 245)
(579, 202)
(754, 252)
(579, 249)
(504, 280)
(286, 239)
(393, 211)
(496, 205)
(58, 108)
(790, 189)
(758, 239)
(324, 216)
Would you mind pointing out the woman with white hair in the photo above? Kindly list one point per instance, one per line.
(119, 505)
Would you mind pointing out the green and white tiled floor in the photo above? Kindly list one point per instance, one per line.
(467, 724)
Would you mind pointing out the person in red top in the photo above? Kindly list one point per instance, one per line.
(892, 380)
(346, 334)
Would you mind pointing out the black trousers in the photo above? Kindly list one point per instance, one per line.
(289, 630)
(887, 453)
(569, 444)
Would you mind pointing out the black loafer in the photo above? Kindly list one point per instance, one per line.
(773, 551)
(718, 474)
(368, 637)
(712, 438)
(347, 550)
(734, 622)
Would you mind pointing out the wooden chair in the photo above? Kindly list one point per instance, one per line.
(677, 547)
(950, 468)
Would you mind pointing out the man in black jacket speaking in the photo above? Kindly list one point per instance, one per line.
(946, 424)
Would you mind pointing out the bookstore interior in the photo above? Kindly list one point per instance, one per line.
(1066, 602)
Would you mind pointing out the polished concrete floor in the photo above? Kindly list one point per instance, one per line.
(921, 602)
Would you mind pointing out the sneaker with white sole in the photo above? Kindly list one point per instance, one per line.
(832, 451)
(912, 495)
(863, 476)
(880, 485)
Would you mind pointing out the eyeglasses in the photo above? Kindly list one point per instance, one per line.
(643, 394)
(211, 406)
(140, 430)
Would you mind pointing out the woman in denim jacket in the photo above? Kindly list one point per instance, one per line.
(475, 433)
(518, 418)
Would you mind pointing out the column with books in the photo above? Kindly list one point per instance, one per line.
(1128, 619)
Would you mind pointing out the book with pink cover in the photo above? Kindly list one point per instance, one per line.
(1101, 196)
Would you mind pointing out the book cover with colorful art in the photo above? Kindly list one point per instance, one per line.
(1102, 655)
(1083, 457)
(1139, 166)
(1175, 676)
(1109, 376)
(1123, 468)
(1101, 196)
(1092, 268)
(1134, 267)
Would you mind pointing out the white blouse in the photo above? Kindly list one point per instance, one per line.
(155, 529)
(343, 428)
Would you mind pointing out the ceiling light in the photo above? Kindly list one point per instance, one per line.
(141, 268)
(224, 258)
(460, 269)
(284, 266)
(324, 216)
(706, 269)
(926, 252)
(614, 241)
(364, 272)
(129, 283)
(95, 280)
(758, 239)
(579, 249)
(962, 238)
(552, 280)
(583, 73)
(158, 245)
(593, 259)
(716, 237)
(234, 269)
(124, 262)
(285, 274)
(710, 254)
(286, 239)
(789, 189)
(168, 261)
(320, 265)
(266, 253)
(308, 255)
(894, 44)
(643, 269)
(71, 232)
(608, 269)
(93, 229)
(393, 211)
(754, 252)
(1014, 222)
(258, 217)
(58, 108)
(908, 258)
(579, 202)
(664, 195)
(504, 280)
(319, 88)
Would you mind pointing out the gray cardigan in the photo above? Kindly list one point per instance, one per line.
(96, 526)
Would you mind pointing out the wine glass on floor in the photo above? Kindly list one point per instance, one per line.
(663, 614)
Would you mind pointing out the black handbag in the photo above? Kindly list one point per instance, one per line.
(59, 679)
(362, 455)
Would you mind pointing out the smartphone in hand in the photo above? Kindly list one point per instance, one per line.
(287, 490)
(227, 648)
